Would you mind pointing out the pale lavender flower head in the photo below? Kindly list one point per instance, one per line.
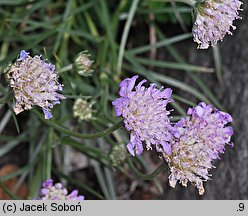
(203, 136)
(145, 115)
(51, 191)
(214, 19)
(34, 82)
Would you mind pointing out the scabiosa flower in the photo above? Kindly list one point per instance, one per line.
(83, 109)
(145, 115)
(51, 191)
(203, 136)
(214, 19)
(34, 82)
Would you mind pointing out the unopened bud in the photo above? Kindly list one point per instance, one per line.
(83, 64)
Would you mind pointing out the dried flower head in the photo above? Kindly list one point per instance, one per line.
(56, 191)
(214, 19)
(34, 82)
(83, 64)
(203, 136)
(83, 109)
(145, 115)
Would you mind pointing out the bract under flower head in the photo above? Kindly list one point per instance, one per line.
(145, 115)
(203, 136)
(214, 19)
(56, 191)
(34, 82)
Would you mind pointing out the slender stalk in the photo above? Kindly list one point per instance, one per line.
(125, 34)
(66, 68)
(4, 121)
(12, 196)
(101, 179)
(48, 154)
(142, 176)
(76, 134)
(189, 2)
(217, 61)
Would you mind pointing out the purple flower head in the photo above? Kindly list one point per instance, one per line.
(145, 115)
(214, 19)
(203, 136)
(34, 82)
(56, 191)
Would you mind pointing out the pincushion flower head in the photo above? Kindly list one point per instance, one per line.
(203, 136)
(214, 19)
(51, 191)
(145, 115)
(34, 82)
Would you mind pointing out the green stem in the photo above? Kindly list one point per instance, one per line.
(48, 154)
(142, 176)
(217, 61)
(76, 134)
(189, 2)
(8, 192)
(125, 34)
(66, 68)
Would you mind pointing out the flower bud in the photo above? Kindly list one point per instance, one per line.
(83, 64)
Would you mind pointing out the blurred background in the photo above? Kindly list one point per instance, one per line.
(150, 38)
